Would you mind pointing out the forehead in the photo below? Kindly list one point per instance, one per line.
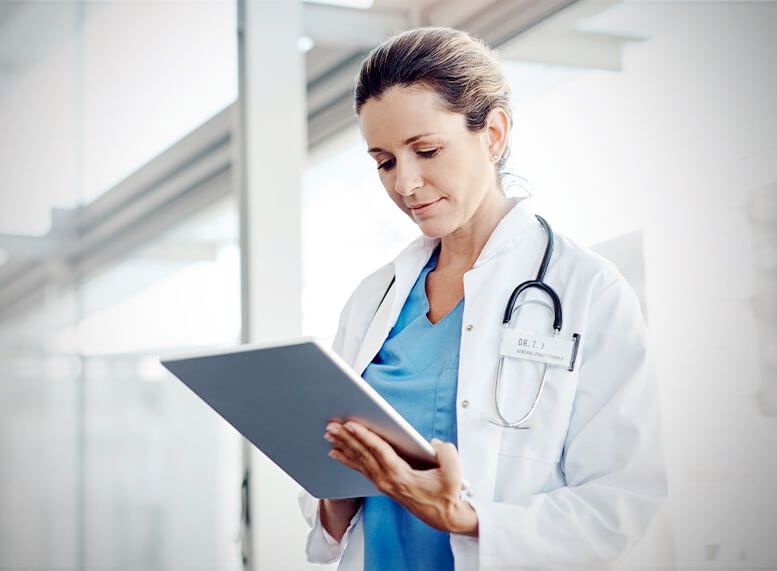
(404, 112)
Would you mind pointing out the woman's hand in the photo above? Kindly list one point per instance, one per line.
(432, 495)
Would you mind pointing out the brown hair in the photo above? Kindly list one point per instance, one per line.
(460, 67)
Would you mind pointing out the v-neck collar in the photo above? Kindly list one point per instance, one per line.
(510, 229)
(431, 265)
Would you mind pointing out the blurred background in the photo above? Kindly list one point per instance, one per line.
(185, 174)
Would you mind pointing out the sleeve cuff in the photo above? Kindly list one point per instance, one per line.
(321, 547)
(466, 549)
(328, 538)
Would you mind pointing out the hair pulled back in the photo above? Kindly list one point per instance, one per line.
(458, 66)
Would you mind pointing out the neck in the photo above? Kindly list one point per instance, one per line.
(460, 249)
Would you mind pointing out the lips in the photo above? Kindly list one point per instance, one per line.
(426, 208)
(417, 206)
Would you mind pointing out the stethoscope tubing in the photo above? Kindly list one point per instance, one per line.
(538, 283)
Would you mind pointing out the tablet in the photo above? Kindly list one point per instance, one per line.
(280, 397)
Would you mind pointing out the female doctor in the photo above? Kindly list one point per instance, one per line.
(579, 481)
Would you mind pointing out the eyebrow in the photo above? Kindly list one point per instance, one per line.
(407, 142)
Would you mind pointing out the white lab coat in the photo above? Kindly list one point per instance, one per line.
(584, 483)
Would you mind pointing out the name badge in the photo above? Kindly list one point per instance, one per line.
(529, 345)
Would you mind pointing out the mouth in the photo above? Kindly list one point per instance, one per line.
(423, 208)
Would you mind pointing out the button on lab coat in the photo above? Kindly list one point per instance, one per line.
(581, 486)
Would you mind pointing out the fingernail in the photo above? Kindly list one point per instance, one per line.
(328, 437)
(350, 427)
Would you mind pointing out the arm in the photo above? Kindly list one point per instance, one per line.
(336, 515)
(612, 458)
(331, 521)
(321, 546)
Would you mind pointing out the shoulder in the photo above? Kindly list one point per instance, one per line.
(581, 264)
(370, 285)
(355, 313)
(367, 293)
(371, 288)
(611, 301)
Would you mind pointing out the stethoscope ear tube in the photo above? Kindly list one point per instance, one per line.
(549, 247)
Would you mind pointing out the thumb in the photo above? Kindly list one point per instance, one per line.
(448, 460)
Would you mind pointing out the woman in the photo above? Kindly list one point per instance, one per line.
(583, 483)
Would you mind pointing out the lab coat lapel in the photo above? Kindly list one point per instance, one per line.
(407, 266)
(511, 256)
(510, 229)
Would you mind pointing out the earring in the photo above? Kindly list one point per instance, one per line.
(495, 157)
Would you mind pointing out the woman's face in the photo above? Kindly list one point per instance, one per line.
(425, 154)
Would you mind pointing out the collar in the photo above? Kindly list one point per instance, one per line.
(509, 230)
(512, 228)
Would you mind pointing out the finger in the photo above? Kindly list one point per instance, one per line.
(336, 435)
(378, 447)
(356, 450)
(339, 446)
(450, 466)
(349, 444)
(395, 475)
(390, 462)
(340, 457)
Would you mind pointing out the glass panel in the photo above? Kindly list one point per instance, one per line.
(40, 492)
(109, 462)
(152, 72)
(162, 470)
(97, 89)
(350, 227)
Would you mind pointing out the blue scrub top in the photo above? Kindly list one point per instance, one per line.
(416, 371)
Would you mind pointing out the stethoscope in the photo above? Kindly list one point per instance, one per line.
(537, 283)
(507, 322)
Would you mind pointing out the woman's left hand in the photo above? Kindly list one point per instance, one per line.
(432, 495)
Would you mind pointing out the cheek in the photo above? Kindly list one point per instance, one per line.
(470, 177)
(454, 179)
(397, 199)
(387, 180)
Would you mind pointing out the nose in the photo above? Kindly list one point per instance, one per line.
(408, 178)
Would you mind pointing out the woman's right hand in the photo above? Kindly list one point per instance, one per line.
(337, 514)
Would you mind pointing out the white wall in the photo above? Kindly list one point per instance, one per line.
(677, 145)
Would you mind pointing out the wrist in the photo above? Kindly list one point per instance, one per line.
(464, 519)
(336, 515)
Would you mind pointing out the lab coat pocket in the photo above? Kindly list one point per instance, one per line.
(544, 440)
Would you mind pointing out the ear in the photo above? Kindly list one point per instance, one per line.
(498, 131)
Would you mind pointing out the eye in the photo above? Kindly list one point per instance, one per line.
(429, 154)
(389, 164)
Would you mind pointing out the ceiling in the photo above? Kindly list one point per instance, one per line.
(529, 30)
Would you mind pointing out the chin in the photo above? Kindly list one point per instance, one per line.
(435, 228)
